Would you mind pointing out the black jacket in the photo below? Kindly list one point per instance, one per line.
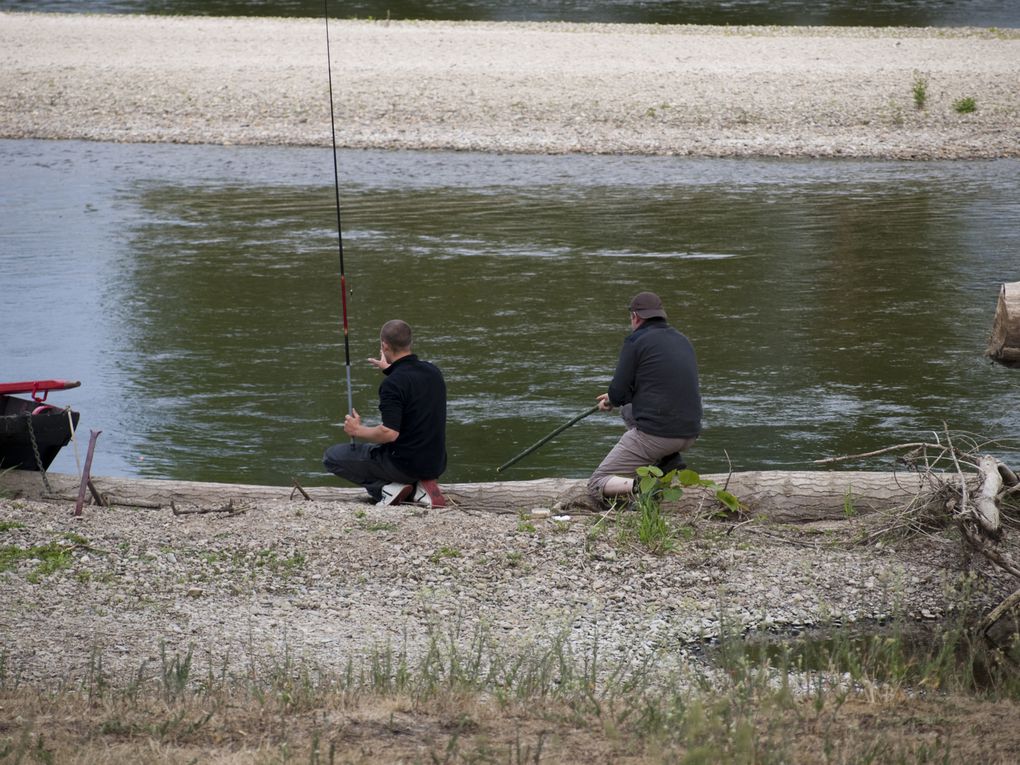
(412, 401)
(657, 374)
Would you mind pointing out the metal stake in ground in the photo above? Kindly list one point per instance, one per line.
(86, 474)
(546, 439)
(339, 231)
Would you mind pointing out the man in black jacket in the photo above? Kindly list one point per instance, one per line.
(656, 386)
(406, 452)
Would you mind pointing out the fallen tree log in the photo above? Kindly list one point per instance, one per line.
(1004, 343)
(781, 496)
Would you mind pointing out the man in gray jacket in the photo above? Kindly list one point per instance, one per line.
(656, 387)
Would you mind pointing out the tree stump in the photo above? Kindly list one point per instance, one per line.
(1004, 343)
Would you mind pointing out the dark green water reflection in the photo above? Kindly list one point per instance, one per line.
(916, 13)
(836, 306)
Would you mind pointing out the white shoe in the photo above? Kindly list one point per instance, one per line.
(421, 497)
(427, 493)
(395, 493)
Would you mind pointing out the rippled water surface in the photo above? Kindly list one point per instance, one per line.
(836, 306)
(918, 13)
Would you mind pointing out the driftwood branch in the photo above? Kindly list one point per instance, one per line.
(86, 479)
(229, 509)
(878, 452)
(298, 488)
(1003, 609)
(97, 497)
(986, 502)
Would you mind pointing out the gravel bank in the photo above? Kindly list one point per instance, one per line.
(510, 87)
(325, 581)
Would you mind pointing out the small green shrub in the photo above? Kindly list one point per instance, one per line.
(965, 105)
(920, 90)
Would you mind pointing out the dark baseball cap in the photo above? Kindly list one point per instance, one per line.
(647, 305)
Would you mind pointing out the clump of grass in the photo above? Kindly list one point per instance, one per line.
(920, 90)
(965, 105)
(11, 525)
(370, 525)
(50, 558)
(444, 552)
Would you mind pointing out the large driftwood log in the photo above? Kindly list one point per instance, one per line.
(147, 492)
(786, 497)
(1004, 343)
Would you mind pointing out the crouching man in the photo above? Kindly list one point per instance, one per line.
(656, 386)
(401, 458)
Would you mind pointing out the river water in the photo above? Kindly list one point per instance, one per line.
(877, 13)
(836, 306)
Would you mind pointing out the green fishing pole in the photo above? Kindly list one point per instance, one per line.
(546, 439)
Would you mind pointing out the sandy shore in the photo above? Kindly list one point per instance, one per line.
(512, 87)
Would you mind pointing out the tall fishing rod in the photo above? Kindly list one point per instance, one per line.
(546, 439)
(339, 229)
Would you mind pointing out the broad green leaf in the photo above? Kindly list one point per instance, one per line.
(688, 478)
(728, 499)
(672, 494)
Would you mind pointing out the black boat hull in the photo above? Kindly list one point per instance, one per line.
(50, 426)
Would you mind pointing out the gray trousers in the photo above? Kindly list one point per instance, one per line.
(634, 449)
(364, 464)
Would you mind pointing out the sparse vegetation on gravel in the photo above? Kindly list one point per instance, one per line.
(340, 632)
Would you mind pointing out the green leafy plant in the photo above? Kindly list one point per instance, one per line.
(965, 105)
(653, 487)
(920, 90)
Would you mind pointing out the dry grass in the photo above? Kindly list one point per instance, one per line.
(877, 701)
(67, 727)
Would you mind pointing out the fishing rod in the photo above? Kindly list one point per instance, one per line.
(339, 229)
(546, 439)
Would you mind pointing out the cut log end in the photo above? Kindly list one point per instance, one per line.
(1004, 342)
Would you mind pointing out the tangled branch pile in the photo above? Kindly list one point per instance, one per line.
(966, 487)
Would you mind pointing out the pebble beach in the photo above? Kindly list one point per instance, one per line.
(514, 87)
(329, 581)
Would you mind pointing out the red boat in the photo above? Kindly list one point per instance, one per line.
(32, 432)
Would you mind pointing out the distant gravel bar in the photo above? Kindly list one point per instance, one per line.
(512, 87)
